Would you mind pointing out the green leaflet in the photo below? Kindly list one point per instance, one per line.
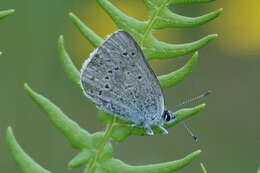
(95, 150)
(82, 158)
(203, 168)
(188, 1)
(6, 13)
(69, 68)
(117, 166)
(91, 36)
(24, 162)
(78, 137)
(169, 19)
(171, 79)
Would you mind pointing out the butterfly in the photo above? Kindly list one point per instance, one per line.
(118, 79)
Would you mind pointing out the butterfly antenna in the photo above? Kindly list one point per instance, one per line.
(192, 100)
(195, 98)
(190, 132)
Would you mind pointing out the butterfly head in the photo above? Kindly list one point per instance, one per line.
(168, 116)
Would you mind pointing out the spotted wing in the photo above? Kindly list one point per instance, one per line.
(118, 79)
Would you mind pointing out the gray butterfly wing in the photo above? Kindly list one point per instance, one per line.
(118, 79)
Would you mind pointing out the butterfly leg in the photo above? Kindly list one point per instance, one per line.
(149, 130)
(162, 129)
(136, 124)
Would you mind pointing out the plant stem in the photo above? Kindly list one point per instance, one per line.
(101, 145)
(151, 22)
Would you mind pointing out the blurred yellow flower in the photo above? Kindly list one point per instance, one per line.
(238, 26)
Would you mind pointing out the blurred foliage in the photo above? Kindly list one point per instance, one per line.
(241, 30)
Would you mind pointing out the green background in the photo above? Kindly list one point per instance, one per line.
(228, 128)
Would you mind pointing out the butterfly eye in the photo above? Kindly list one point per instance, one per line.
(167, 116)
(133, 53)
(125, 53)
